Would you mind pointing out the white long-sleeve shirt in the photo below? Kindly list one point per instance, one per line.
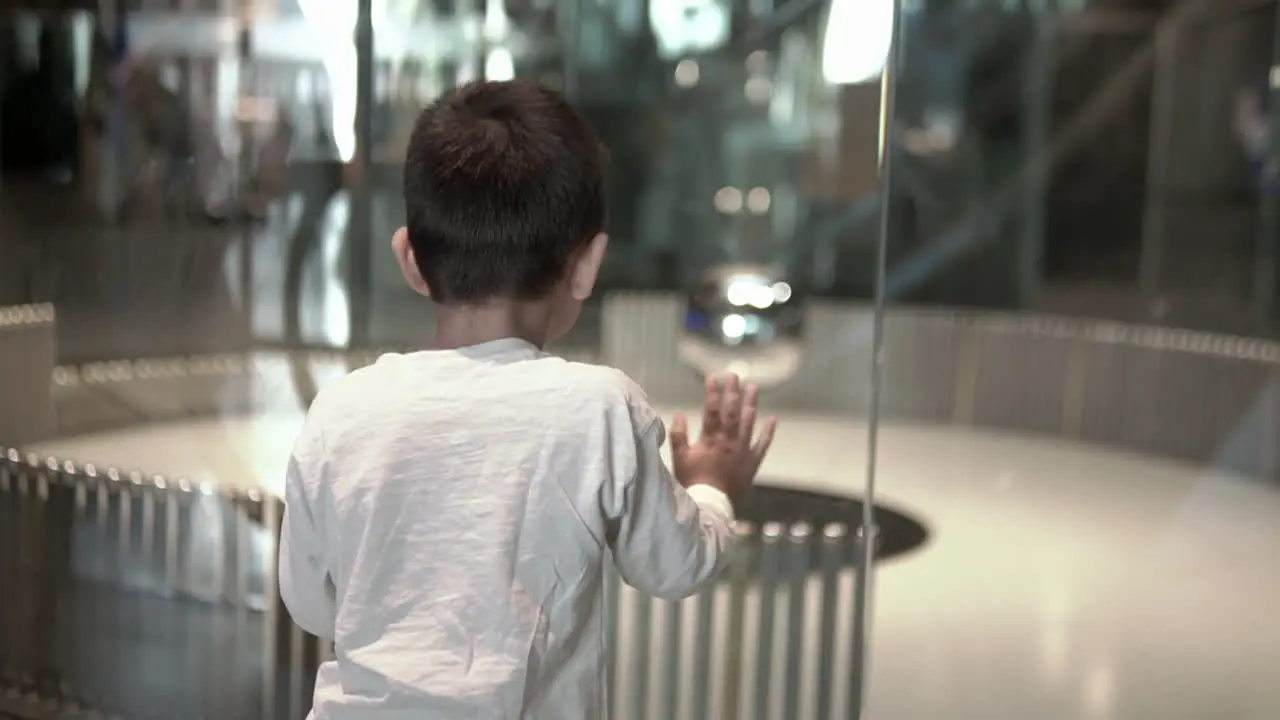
(447, 517)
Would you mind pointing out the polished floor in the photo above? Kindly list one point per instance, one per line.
(1058, 581)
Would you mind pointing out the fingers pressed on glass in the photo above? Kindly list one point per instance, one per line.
(679, 432)
(747, 423)
(731, 406)
(765, 439)
(711, 406)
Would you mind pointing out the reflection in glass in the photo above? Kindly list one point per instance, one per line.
(857, 39)
(1102, 460)
(743, 320)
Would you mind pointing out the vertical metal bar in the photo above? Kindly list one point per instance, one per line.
(862, 589)
(243, 568)
(770, 562)
(242, 531)
(359, 232)
(172, 537)
(11, 620)
(148, 524)
(8, 544)
(798, 539)
(8, 547)
(246, 78)
(671, 660)
(1265, 266)
(296, 702)
(1038, 96)
(1160, 141)
(81, 492)
(217, 545)
(124, 510)
(834, 537)
(640, 640)
(19, 644)
(113, 181)
(47, 572)
(737, 610)
(271, 620)
(569, 19)
(104, 499)
(612, 589)
(704, 625)
(216, 661)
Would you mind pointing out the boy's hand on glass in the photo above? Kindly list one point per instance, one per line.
(728, 452)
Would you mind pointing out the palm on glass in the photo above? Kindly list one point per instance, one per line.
(728, 451)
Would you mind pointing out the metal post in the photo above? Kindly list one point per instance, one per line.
(1151, 258)
(1265, 267)
(862, 588)
(113, 178)
(1038, 88)
(359, 250)
(273, 622)
(245, 80)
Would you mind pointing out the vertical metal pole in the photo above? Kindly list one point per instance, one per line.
(769, 569)
(834, 537)
(1265, 262)
(641, 634)
(114, 179)
(245, 80)
(271, 634)
(570, 27)
(862, 587)
(359, 255)
(1151, 258)
(1038, 87)
(702, 696)
(612, 593)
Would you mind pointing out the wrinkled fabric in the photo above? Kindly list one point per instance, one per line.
(447, 518)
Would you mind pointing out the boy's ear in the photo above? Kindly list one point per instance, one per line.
(583, 279)
(408, 265)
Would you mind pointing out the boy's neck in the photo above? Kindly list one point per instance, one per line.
(460, 326)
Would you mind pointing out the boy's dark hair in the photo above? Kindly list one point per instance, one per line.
(503, 184)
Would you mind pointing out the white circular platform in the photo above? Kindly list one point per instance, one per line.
(1059, 580)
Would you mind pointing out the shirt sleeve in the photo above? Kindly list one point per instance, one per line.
(667, 541)
(305, 583)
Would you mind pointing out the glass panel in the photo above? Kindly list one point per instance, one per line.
(1081, 384)
(204, 191)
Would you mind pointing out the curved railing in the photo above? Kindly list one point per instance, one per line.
(113, 555)
(1180, 394)
(101, 559)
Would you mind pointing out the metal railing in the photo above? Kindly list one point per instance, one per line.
(143, 597)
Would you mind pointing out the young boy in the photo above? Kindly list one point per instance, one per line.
(448, 511)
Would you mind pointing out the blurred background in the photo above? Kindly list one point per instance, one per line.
(1008, 269)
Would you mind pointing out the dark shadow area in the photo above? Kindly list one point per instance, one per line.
(897, 533)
